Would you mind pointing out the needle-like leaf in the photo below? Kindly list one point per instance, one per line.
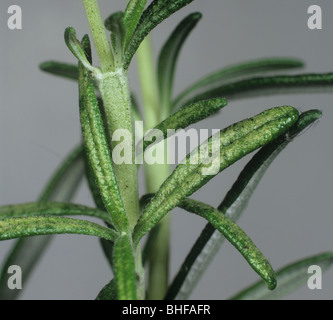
(236, 236)
(229, 145)
(13, 228)
(26, 252)
(168, 59)
(61, 69)
(233, 205)
(236, 71)
(252, 87)
(124, 268)
(183, 118)
(290, 278)
(51, 209)
(132, 16)
(157, 11)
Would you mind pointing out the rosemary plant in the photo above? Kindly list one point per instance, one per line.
(135, 234)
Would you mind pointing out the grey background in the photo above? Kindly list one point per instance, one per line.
(289, 216)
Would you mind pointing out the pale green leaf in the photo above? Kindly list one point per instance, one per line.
(124, 268)
(35, 226)
(51, 209)
(210, 158)
(236, 236)
(233, 205)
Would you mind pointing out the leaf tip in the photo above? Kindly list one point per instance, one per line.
(272, 283)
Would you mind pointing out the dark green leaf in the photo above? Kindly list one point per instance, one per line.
(236, 236)
(290, 278)
(60, 69)
(157, 11)
(75, 46)
(51, 209)
(237, 198)
(35, 226)
(135, 109)
(168, 59)
(132, 16)
(124, 268)
(210, 240)
(269, 85)
(146, 253)
(109, 292)
(183, 118)
(220, 151)
(233, 72)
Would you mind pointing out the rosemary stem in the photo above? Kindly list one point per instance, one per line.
(155, 174)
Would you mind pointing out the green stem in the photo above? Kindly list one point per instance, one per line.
(148, 83)
(114, 88)
(115, 93)
(155, 174)
(99, 35)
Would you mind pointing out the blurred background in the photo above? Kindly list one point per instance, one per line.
(289, 217)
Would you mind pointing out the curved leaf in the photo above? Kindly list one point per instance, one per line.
(229, 145)
(124, 268)
(269, 85)
(232, 72)
(183, 118)
(26, 252)
(236, 236)
(35, 226)
(51, 209)
(168, 59)
(290, 278)
(157, 11)
(75, 46)
(233, 205)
